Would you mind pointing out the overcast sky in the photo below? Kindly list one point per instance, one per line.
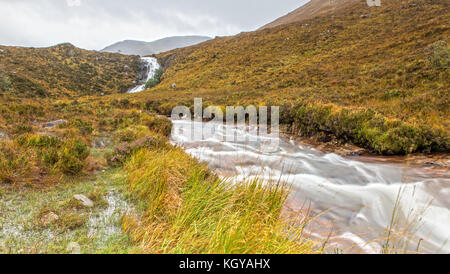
(94, 24)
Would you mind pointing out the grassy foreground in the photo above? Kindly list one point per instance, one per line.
(149, 197)
(189, 210)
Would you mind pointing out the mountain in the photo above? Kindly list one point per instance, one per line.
(375, 76)
(312, 9)
(65, 70)
(141, 48)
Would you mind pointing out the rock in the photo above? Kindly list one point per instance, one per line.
(147, 141)
(55, 123)
(84, 200)
(357, 152)
(74, 248)
(100, 143)
(429, 163)
(49, 218)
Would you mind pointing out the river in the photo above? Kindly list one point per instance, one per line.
(354, 201)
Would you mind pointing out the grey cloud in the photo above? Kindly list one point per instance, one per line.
(93, 24)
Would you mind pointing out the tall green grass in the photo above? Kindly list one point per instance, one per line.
(189, 210)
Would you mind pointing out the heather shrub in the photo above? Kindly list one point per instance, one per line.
(72, 156)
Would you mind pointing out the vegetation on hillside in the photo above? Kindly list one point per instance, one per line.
(65, 70)
(376, 76)
(155, 80)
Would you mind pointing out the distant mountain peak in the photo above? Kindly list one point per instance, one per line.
(135, 47)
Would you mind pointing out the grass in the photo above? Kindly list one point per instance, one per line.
(189, 210)
(180, 205)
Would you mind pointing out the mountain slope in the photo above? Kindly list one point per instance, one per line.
(312, 9)
(389, 64)
(148, 48)
(65, 70)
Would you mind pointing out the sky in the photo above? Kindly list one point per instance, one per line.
(95, 24)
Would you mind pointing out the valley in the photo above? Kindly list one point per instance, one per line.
(91, 160)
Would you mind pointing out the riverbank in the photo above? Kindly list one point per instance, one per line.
(435, 161)
(70, 169)
(357, 204)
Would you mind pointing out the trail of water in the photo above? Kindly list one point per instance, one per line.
(355, 199)
(152, 66)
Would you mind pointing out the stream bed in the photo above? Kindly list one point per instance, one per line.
(358, 205)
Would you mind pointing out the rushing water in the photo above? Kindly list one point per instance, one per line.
(152, 66)
(354, 201)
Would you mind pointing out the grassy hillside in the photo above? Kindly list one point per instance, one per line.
(375, 76)
(64, 70)
(312, 9)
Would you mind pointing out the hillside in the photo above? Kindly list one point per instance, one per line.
(375, 76)
(312, 9)
(65, 70)
(141, 48)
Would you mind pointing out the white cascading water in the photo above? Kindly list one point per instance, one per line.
(354, 199)
(152, 66)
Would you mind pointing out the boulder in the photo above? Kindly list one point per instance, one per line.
(55, 123)
(74, 248)
(84, 200)
(49, 218)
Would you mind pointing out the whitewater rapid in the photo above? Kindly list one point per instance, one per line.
(152, 66)
(353, 200)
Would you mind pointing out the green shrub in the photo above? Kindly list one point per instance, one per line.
(160, 125)
(85, 127)
(13, 162)
(5, 82)
(155, 80)
(43, 141)
(131, 133)
(367, 129)
(439, 54)
(72, 156)
(21, 128)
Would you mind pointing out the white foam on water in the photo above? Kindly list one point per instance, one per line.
(358, 197)
(152, 66)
